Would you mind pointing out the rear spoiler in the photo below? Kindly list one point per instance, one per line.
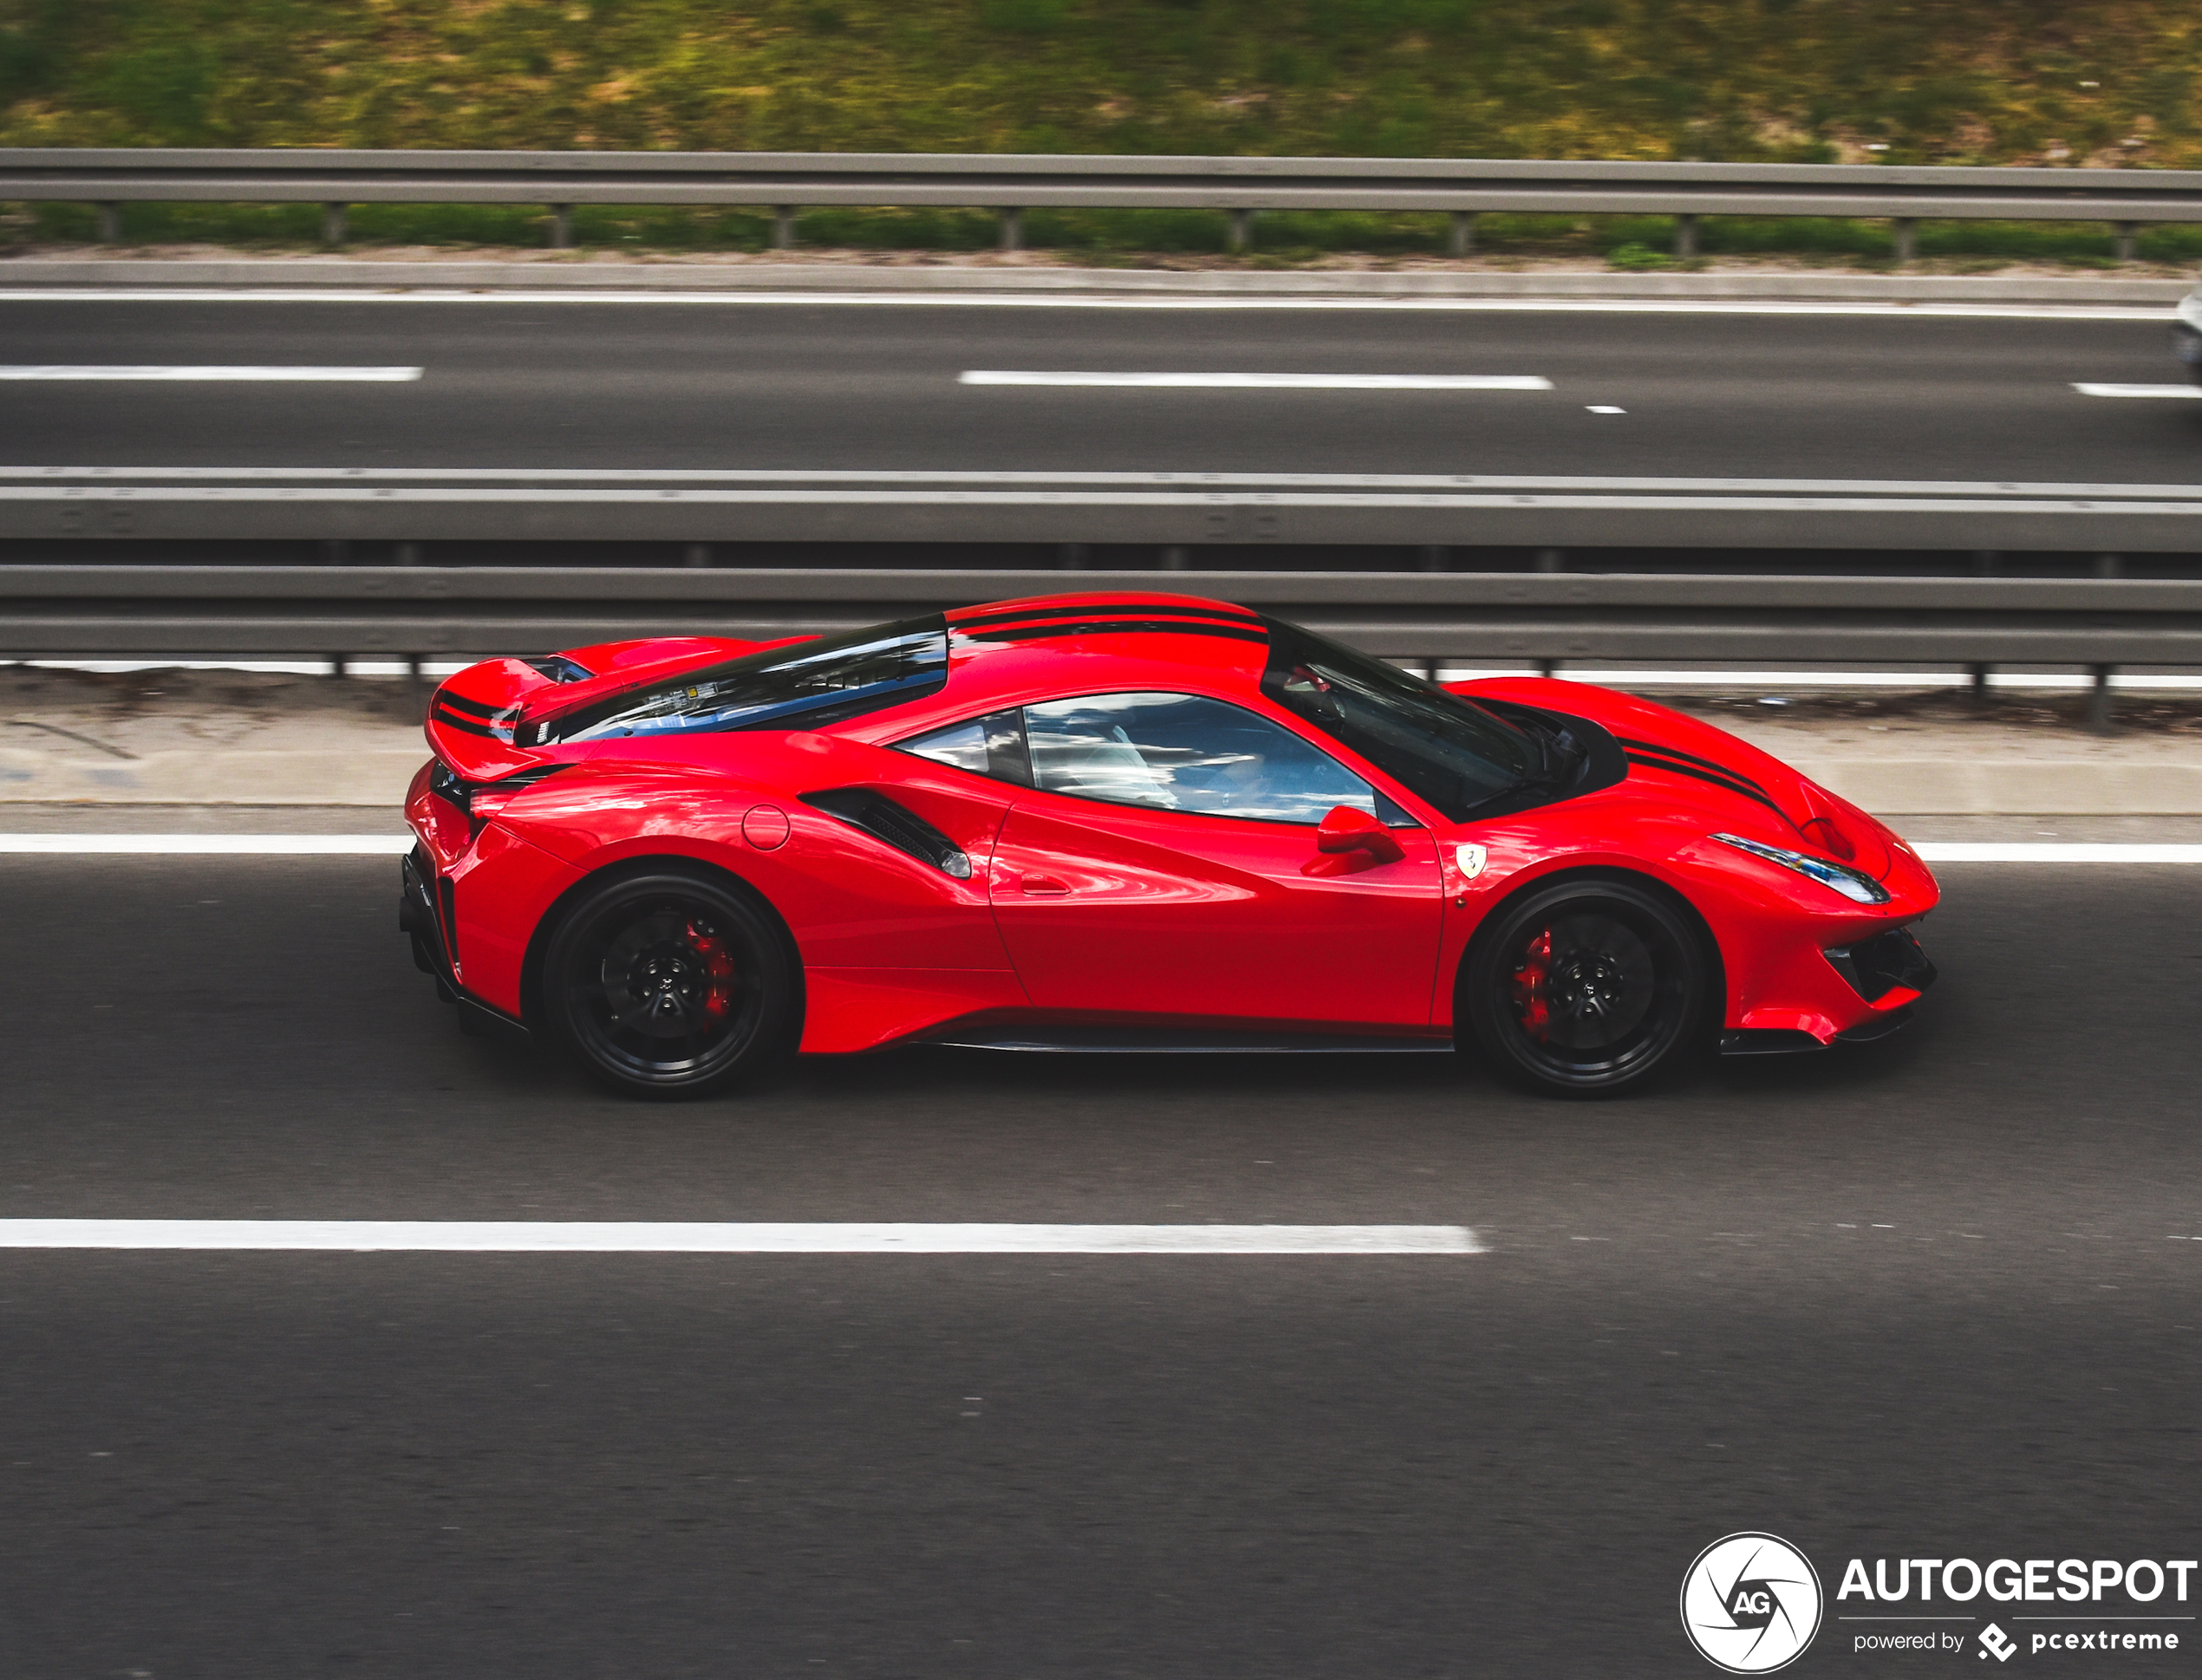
(475, 720)
(475, 715)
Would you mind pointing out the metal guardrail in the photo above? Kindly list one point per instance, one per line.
(1012, 183)
(118, 611)
(424, 504)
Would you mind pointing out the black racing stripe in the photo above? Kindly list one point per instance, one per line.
(1749, 791)
(467, 726)
(1686, 758)
(1232, 615)
(461, 703)
(1682, 766)
(1127, 626)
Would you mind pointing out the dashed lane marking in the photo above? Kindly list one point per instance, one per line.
(230, 845)
(2139, 390)
(1228, 381)
(139, 373)
(2056, 851)
(620, 1237)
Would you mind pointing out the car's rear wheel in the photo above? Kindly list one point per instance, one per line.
(1587, 987)
(669, 983)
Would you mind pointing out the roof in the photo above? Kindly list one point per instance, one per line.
(1112, 613)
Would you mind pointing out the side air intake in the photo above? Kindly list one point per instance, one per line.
(896, 824)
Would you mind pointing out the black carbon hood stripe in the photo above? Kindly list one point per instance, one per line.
(1721, 779)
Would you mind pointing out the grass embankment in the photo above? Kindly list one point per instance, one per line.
(1898, 80)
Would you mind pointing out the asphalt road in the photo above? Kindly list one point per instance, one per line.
(806, 386)
(1912, 1300)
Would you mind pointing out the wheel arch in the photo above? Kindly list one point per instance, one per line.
(1590, 874)
(547, 925)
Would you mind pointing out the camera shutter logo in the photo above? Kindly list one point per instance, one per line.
(1750, 1603)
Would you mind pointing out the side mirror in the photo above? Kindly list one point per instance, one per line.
(1348, 829)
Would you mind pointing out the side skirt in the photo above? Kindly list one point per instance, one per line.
(1146, 1041)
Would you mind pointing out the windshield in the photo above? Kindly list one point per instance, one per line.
(1450, 751)
(801, 687)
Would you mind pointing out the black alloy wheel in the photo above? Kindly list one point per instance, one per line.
(1587, 987)
(669, 983)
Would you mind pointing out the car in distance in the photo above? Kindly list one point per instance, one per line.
(2187, 334)
(1122, 822)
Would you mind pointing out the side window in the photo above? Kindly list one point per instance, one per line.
(1183, 753)
(992, 745)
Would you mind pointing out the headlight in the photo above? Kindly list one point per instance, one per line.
(1853, 884)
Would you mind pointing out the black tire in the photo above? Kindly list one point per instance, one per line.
(1587, 987)
(669, 983)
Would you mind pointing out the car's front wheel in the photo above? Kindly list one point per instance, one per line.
(669, 983)
(1587, 986)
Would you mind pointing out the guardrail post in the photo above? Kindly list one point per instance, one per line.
(1174, 558)
(696, 555)
(1685, 236)
(1979, 675)
(110, 231)
(1552, 560)
(1434, 556)
(1241, 230)
(1072, 557)
(2099, 702)
(2110, 565)
(2122, 248)
(332, 223)
(1464, 238)
(1013, 230)
(1906, 230)
(783, 227)
(561, 227)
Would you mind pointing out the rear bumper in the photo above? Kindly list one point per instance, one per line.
(424, 915)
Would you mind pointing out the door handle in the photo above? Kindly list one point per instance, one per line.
(1044, 886)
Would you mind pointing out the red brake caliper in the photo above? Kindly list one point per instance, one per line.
(1529, 977)
(718, 966)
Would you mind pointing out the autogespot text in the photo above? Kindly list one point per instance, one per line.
(2037, 1580)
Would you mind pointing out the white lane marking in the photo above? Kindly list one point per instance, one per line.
(1709, 678)
(1263, 382)
(835, 496)
(1603, 408)
(132, 477)
(621, 1237)
(392, 846)
(209, 845)
(2139, 390)
(1771, 680)
(2054, 851)
(122, 371)
(293, 293)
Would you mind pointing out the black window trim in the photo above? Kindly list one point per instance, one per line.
(1379, 785)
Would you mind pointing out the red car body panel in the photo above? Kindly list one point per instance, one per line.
(1079, 911)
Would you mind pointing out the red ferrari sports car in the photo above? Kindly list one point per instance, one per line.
(1129, 822)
